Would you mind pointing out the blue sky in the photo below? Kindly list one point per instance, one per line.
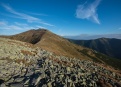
(63, 17)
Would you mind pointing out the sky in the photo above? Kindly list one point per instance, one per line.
(63, 17)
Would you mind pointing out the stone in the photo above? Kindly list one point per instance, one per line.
(16, 85)
(49, 84)
(3, 85)
(38, 79)
(113, 74)
(44, 85)
(90, 85)
(19, 79)
(27, 82)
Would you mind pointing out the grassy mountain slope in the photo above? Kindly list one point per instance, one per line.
(110, 47)
(49, 41)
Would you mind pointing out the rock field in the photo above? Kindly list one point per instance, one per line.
(22, 65)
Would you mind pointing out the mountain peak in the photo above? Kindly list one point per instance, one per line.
(39, 29)
(42, 29)
(32, 36)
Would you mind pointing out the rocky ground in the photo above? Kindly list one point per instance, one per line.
(21, 65)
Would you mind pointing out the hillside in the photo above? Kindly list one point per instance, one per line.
(23, 65)
(110, 47)
(51, 42)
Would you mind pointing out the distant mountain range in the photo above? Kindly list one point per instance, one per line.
(60, 46)
(110, 47)
(89, 37)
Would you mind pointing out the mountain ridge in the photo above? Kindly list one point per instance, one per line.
(110, 47)
(90, 37)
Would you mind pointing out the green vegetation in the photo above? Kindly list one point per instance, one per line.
(99, 57)
(85, 52)
(116, 63)
(110, 47)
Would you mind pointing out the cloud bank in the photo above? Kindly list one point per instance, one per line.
(88, 11)
(91, 37)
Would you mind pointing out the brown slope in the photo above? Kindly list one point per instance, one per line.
(59, 45)
(31, 36)
(51, 42)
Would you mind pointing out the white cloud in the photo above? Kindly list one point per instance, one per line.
(46, 23)
(88, 11)
(24, 16)
(21, 15)
(120, 28)
(18, 26)
(12, 27)
(15, 26)
(6, 26)
(2, 23)
(39, 14)
(38, 26)
(95, 36)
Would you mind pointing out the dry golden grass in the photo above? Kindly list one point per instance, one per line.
(25, 52)
(60, 46)
(7, 59)
(21, 44)
(65, 63)
(24, 61)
